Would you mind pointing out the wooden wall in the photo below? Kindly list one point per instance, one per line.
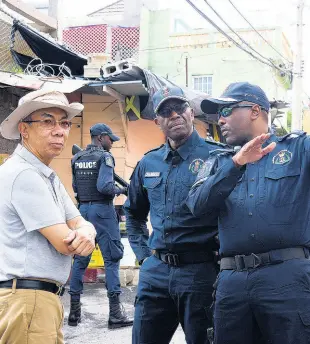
(105, 109)
(136, 138)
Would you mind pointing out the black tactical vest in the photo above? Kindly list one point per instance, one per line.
(85, 167)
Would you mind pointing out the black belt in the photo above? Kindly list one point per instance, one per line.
(181, 258)
(254, 260)
(35, 285)
(108, 201)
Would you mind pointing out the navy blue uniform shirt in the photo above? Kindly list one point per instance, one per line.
(263, 206)
(159, 185)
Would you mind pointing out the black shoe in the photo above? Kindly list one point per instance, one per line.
(117, 317)
(75, 313)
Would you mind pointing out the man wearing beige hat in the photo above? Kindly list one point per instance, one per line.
(40, 226)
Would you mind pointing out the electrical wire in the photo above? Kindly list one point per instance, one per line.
(180, 46)
(232, 40)
(236, 33)
(261, 36)
(6, 12)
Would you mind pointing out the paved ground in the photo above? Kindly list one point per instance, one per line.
(95, 309)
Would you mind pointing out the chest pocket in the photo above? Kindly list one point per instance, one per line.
(154, 187)
(279, 186)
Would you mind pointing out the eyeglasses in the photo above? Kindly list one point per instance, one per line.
(226, 111)
(50, 123)
(166, 111)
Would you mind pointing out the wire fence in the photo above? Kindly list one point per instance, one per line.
(7, 62)
(120, 42)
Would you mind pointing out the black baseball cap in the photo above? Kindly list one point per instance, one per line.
(235, 93)
(166, 93)
(103, 129)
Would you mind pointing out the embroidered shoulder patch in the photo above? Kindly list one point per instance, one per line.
(196, 165)
(109, 161)
(282, 157)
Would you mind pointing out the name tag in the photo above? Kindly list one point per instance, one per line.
(151, 174)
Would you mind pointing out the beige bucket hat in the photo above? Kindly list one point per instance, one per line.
(33, 101)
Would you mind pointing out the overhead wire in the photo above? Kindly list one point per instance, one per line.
(180, 46)
(236, 33)
(261, 36)
(234, 41)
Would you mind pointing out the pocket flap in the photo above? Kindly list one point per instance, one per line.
(282, 173)
(151, 183)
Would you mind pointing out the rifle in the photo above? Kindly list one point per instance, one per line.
(117, 178)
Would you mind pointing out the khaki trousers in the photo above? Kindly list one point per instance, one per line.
(30, 317)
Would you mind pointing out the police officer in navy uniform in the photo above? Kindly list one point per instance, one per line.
(178, 261)
(262, 193)
(93, 183)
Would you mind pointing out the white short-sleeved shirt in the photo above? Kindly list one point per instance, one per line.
(31, 197)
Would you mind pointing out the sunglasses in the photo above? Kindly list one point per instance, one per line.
(165, 111)
(226, 111)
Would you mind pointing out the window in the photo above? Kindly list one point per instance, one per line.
(203, 83)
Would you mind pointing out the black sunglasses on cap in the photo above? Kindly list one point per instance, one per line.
(166, 110)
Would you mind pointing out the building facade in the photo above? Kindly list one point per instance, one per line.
(207, 61)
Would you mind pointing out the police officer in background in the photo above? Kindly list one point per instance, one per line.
(93, 183)
(175, 284)
(263, 194)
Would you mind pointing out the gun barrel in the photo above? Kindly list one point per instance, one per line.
(75, 149)
(120, 181)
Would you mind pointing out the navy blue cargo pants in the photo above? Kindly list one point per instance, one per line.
(273, 301)
(170, 295)
(104, 218)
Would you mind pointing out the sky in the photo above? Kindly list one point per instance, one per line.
(282, 13)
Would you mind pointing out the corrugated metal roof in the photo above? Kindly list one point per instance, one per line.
(31, 82)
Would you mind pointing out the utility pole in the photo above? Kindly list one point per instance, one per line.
(298, 73)
(55, 11)
(186, 71)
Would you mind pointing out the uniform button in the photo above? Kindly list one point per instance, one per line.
(169, 199)
(252, 163)
(167, 234)
(252, 179)
(168, 217)
(253, 235)
(251, 195)
(250, 214)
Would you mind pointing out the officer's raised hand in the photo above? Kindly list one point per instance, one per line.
(253, 150)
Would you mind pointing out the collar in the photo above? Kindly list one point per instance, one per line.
(186, 149)
(272, 138)
(25, 154)
(94, 147)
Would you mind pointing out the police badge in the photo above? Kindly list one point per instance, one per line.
(283, 157)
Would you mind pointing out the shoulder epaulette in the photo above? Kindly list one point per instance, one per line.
(98, 149)
(154, 149)
(292, 135)
(216, 143)
(229, 150)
